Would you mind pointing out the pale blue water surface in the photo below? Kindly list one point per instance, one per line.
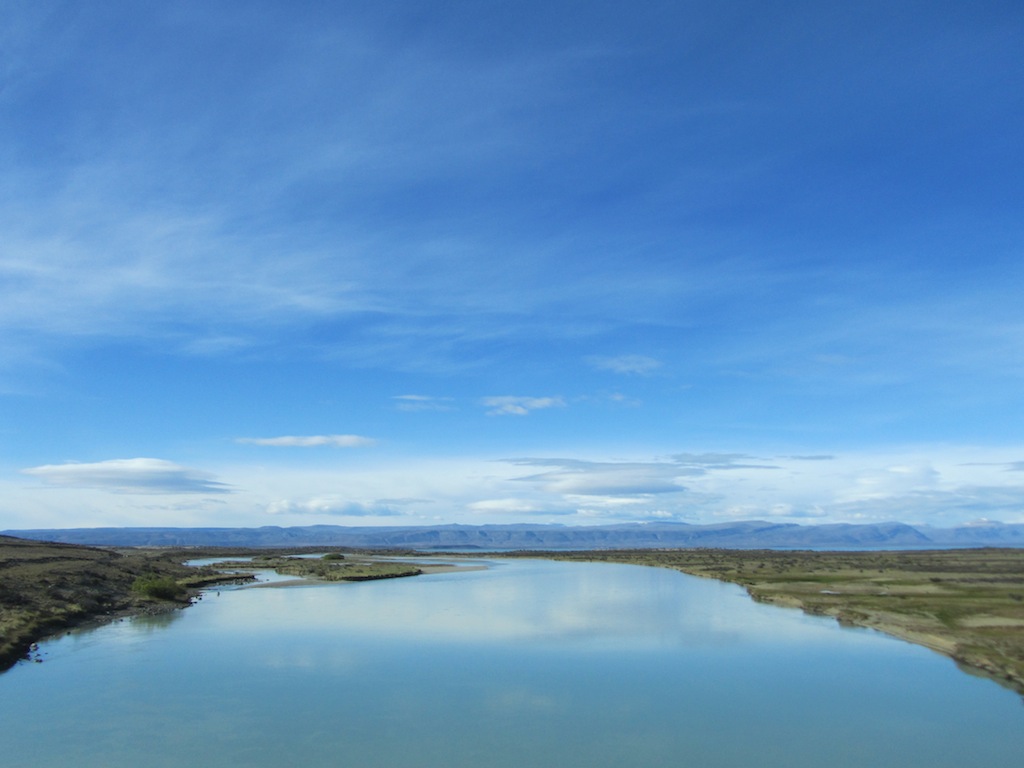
(528, 663)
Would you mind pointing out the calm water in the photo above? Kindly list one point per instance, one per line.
(528, 663)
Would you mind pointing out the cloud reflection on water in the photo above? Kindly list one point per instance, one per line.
(545, 602)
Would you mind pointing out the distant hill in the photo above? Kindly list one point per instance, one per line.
(736, 535)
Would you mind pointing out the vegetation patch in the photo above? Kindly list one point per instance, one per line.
(159, 587)
(327, 568)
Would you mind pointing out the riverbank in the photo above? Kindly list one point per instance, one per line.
(47, 588)
(967, 603)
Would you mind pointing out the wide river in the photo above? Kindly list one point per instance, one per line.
(527, 663)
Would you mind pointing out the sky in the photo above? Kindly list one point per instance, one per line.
(484, 262)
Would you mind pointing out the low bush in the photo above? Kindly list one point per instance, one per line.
(159, 587)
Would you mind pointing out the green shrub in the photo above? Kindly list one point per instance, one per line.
(159, 587)
(333, 556)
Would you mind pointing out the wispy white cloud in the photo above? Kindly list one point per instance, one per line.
(140, 475)
(868, 484)
(844, 488)
(104, 250)
(215, 346)
(334, 506)
(119, 252)
(1009, 466)
(310, 441)
(593, 478)
(511, 405)
(720, 461)
(423, 403)
(509, 507)
(626, 479)
(618, 398)
(626, 364)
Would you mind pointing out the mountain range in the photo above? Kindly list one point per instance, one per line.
(736, 535)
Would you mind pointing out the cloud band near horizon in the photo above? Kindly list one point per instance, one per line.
(309, 441)
(139, 475)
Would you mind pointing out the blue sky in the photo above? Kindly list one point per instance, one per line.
(489, 262)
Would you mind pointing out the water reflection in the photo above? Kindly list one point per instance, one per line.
(551, 602)
(155, 622)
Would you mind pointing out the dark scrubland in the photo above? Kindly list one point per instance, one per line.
(965, 603)
(46, 588)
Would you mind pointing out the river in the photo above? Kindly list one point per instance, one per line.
(525, 663)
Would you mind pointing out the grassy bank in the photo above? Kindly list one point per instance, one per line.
(967, 604)
(46, 588)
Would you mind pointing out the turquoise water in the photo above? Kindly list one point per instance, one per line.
(526, 663)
